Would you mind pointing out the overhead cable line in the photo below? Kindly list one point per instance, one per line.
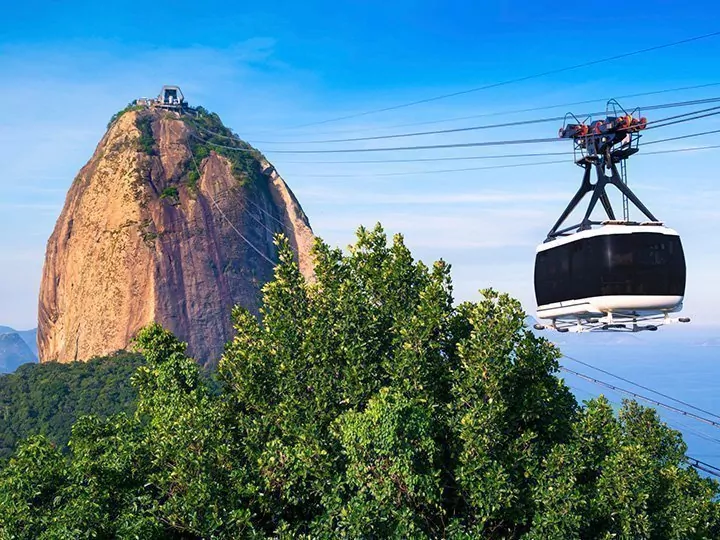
(219, 197)
(688, 136)
(689, 149)
(498, 156)
(490, 167)
(469, 169)
(684, 403)
(685, 428)
(512, 81)
(400, 148)
(693, 462)
(423, 160)
(507, 112)
(656, 124)
(266, 212)
(674, 423)
(260, 222)
(642, 397)
(466, 169)
(684, 118)
(247, 241)
(476, 128)
(706, 467)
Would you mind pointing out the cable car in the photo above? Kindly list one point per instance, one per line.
(611, 274)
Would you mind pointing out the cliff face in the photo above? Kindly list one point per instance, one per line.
(159, 227)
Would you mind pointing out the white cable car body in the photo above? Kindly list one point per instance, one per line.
(614, 274)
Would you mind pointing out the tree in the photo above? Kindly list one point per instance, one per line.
(363, 404)
(46, 399)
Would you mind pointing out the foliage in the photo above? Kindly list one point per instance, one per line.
(192, 180)
(128, 108)
(362, 405)
(146, 143)
(46, 399)
(212, 136)
(170, 192)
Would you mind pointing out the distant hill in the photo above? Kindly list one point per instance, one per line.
(14, 352)
(28, 336)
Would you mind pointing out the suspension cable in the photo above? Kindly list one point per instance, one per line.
(706, 467)
(475, 128)
(714, 111)
(490, 167)
(220, 196)
(247, 241)
(684, 403)
(425, 147)
(510, 81)
(685, 118)
(689, 136)
(642, 397)
(697, 433)
(674, 423)
(693, 462)
(266, 212)
(508, 112)
(499, 156)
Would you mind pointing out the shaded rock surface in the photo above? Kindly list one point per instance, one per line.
(158, 226)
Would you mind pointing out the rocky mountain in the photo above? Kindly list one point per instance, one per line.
(30, 338)
(172, 220)
(14, 352)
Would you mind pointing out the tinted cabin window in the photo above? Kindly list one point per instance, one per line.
(623, 264)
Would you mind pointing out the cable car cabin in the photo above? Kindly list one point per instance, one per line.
(629, 271)
(601, 275)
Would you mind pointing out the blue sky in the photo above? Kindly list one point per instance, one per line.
(66, 67)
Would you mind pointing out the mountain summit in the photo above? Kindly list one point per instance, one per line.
(172, 220)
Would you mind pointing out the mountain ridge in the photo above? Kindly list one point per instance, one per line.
(14, 352)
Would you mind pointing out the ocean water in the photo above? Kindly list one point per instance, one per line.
(680, 361)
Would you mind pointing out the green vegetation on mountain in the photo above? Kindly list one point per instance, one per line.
(170, 192)
(362, 405)
(146, 143)
(214, 136)
(47, 399)
(128, 108)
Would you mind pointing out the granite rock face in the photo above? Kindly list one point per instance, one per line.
(158, 226)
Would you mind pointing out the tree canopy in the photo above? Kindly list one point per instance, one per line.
(364, 404)
(48, 398)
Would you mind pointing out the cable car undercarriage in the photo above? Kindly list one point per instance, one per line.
(614, 274)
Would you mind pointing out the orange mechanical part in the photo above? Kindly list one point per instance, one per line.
(625, 122)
